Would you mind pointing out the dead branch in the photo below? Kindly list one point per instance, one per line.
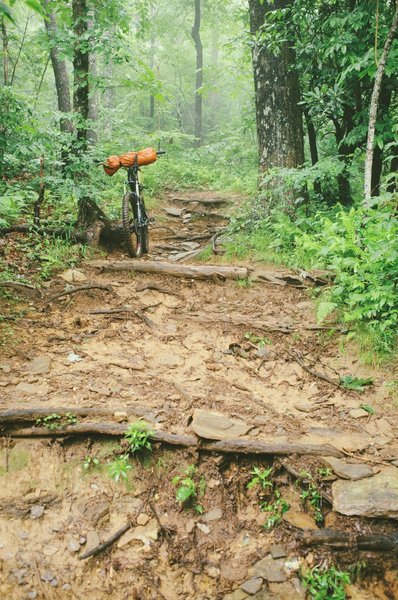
(164, 268)
(136, 312)
(234, 320)
(19, 285)
(81, 288)
(151, 285)
(343, 540)
(300, 361)
(101, 547)
(234, 446)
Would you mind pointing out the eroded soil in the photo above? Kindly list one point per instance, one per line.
(161, 367)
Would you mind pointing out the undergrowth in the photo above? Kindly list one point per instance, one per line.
(359, 246)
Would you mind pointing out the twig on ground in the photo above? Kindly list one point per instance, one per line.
(300, 361)
(151, 285)
(101, 547)
(82, 288)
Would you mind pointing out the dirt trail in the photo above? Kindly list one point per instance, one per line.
(162, 367)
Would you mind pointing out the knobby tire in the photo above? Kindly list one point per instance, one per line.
(136, 236)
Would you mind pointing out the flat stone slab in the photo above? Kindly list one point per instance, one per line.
(39, 365)
(348, 470)
(358, 413)
(269, 569)
(215, 514)
(215, 426)
(252, 586)
(301, 520)
(372, 497)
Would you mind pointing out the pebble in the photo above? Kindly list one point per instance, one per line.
(73, 546)
(50, 549)
(358, 413)
(48, 576)
(36, 511)
(23, 535)
(203, 528)
(277, 551)
(92, 540)
(32, 595)
(120, 416)
(252, 586)
(142, 519)
(213, 515)
(213, 572)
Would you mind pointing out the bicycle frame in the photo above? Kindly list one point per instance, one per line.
(137, 203)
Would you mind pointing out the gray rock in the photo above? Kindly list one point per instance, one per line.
(215, 426)
(54, 582)
(32, 595)
(23, 535)
(39, 365)
(92, 540)
(372, 497)
(36, 511)
(48, 576)
(215, 514)
(236, 595)
(203, 528)
(348, 470)
(358, 413)
(278, 551)
(73, 546)
(270, 569)
(252, 586)
(27, 389)
(73, 275)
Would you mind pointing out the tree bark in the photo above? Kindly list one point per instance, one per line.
(346, 540)
(199, 74)
(5, 51)
(374, 104)
(60, 72)
(81, 70)
(93, 97)
(278, 115)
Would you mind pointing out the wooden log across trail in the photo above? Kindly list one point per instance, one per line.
(234, 446)
(234, 320)
(165, 268)
(343, 540)
(31, 414)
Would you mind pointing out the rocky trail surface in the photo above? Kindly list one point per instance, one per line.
(230, 375)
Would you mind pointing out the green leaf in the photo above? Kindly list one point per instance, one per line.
(36, 6)
(324, 309)
(369, 409)
(355, 383)
(184, 493)
(6, 11)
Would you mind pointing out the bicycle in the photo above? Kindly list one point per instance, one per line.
(135, 218)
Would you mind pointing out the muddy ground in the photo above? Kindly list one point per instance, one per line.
(161, 368)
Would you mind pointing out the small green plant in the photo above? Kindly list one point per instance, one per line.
(190, 489)
(244, 283)
(55, 421)
(260, 477)
(277, 509)
(326, 584)
(90, 462)
(312, 495)
(138, 436)
(119, 468)
(255, 339)
(324, 471)
(355, 383)
(369, 409)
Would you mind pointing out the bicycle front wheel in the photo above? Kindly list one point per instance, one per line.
(135, 226)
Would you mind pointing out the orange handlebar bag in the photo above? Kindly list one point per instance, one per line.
(113, 163)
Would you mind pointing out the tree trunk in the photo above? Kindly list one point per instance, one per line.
(374, 104)
(93, 102)
(93, 97)
(60, 73)
(81, 71)
(278, 115)
(199, 74)
(5, 51)
(313, 147)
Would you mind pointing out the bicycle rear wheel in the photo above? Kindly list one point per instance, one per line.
(135, 226)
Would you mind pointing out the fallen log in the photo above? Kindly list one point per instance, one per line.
(344, 540)
(233, 446)
(164, 268)
(234, 320)
(29, 415)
